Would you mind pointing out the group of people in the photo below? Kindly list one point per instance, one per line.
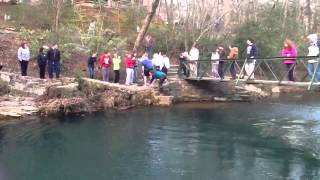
(219, 57)
(155, 68)
(290, 52)
(48, 58)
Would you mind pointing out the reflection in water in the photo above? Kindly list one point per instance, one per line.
(205, 141)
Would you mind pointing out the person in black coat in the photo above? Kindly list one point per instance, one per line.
(42, 62)
(54, 61)
(222, 57)
(91, 61)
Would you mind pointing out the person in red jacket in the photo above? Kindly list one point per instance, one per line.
(130, 63)
(105, 64)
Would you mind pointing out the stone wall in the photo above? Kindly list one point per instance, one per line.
(194, 91)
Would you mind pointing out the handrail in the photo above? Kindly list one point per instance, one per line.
(259, 58)
(268, 70)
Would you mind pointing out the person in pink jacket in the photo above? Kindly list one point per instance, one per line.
(289, 52)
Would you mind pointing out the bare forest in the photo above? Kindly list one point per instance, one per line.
(120, 25)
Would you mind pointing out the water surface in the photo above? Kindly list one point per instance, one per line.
(193, 141)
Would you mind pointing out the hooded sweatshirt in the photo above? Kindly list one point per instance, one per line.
(287, 52)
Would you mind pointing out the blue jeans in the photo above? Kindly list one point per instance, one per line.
(54, 67)
(135, 75)
(290, 68)
(311, 69)
(233, 70)
(105, 74)
(130, 74)
(92, 72)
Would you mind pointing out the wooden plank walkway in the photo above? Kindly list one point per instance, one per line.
(271, 82)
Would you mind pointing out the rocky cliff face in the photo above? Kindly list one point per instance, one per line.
(94, 95)
(30, 95)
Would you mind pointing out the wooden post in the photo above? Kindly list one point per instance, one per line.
(241, 72)
(314, 74)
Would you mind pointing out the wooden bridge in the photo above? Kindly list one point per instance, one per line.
(269, 70)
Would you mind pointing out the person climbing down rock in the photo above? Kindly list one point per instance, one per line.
(161, 76)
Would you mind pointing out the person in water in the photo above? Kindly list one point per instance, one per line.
(161, 76)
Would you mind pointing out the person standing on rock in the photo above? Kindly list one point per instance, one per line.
(54, 58)
(24, 57)
(42, 62)
(106, 63)
(91, 67)
(157, 60)
(147, 67)
(116, 67)
(166, 62)
(130, 63)
(135, 69)
(149, 44)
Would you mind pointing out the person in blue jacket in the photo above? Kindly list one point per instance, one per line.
(147, 67)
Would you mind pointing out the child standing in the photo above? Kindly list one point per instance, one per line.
(130, 63)
(116, 67)
(105, 63)
(91, 61)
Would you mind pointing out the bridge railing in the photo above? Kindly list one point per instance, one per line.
(266, 70)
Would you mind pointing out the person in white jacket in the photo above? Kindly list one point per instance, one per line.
(166, 62)
(157, 60)
(24, 57)
(313, 50)
(194, 56)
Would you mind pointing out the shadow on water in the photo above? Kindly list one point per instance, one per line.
(270, 140)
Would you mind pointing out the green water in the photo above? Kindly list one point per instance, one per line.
(195, 141)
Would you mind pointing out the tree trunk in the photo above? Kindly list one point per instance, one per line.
(309, 15)
(59, 5)
(168, 13)
(145, 25)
